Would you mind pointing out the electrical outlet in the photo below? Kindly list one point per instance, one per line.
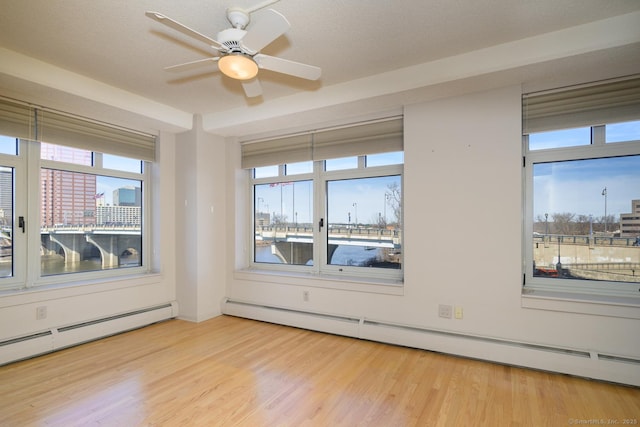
(458, 313)
(444, 311)
(305, 296)
(41, 312)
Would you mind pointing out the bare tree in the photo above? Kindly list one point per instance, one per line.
(393, 197)
(279, 219)
(582, 225)
(562, 222)
(572, 224)
(377, 220)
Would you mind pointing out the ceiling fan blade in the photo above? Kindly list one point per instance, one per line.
(252, 88)
(279, 65)
(269, 27)
(184, 30)
(189, 65)
(261, 5)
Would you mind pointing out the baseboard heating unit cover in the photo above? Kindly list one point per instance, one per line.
(23, 347)
(574, 361)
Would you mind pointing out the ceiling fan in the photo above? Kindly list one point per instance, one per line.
(238, 48)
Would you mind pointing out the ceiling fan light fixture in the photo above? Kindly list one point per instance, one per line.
(238, 66)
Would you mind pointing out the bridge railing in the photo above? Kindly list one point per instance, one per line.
(359, 231)
(604, 266)
(567, 239)
(88, 228)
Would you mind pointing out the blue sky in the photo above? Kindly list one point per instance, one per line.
(107, 184)
(576, 186)
(364, 196)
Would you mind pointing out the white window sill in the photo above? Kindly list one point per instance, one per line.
(600, 305)
(350, 283)
(72, 288)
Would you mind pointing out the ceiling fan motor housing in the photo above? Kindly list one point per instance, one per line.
(230, 38)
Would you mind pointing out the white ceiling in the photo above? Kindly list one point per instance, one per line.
(105, 57)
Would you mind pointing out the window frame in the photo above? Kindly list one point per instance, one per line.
(622, 292)
(27, 165)
(320, 267)
(278, 179)
(19, 239)
(96, 169)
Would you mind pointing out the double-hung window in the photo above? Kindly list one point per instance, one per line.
(582, 173)
(329, 202)
(73, 197)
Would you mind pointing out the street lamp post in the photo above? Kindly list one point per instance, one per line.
(546, 224)
(355, 205)
(559, 264)
(546, 230)
(387, 198)
(604, 193)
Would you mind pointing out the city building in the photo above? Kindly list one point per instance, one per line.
(118, 215)
(127, 196)
(67, 198)
(630, 222)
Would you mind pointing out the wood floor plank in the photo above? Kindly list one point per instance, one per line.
(236, 372)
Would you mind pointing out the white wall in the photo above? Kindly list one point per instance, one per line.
(200, 223)
(87, 301)
(463, 239)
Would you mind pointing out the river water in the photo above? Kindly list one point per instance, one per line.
(343, 255)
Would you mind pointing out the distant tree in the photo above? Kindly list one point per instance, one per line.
(582, 225)
(573, 224)
(279, 219)
(377, 220)
(562, 222)
(393, 197)
(599, 223)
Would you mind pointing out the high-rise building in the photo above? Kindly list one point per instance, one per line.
(67, 198)
(127, 196)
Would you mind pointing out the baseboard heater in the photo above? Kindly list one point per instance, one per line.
(579, 362)
(31, 345)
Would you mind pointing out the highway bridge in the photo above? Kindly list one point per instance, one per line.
(294, 244)
(113, 243)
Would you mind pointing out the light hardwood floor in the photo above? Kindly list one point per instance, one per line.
(229, 371)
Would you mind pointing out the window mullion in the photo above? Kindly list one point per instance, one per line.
(32, 150)
(598, 135)
(319, 209)
(97, 160)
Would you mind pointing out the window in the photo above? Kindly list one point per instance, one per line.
(364, 222)
(335, 208)
(283, 222)
(582, 163)
(86, 215)
(89, 222)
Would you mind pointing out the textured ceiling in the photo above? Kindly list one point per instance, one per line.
(113, 42)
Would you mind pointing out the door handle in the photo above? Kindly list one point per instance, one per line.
(320, 224)
(21, 223)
